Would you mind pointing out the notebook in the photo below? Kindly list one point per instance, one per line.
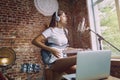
(93, 65)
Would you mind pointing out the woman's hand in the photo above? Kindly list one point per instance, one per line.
(56, 53)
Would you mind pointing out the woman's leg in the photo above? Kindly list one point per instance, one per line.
(71, 70)
(64, 64)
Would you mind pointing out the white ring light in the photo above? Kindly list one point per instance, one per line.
(46, 7)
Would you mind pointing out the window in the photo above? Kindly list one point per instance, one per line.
(105, 17)
(109, 25)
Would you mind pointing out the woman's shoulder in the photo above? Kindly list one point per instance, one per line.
(48, 29)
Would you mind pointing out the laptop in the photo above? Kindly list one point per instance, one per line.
(92, 65)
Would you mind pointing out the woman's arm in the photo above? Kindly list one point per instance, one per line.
(40, 40)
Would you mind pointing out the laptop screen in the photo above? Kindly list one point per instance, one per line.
(93, 65)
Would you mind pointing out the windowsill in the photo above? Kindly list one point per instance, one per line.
(115, 60)
(115, 57)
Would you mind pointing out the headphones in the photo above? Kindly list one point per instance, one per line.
(57, 17)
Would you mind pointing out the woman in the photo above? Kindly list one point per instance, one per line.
(57, 35)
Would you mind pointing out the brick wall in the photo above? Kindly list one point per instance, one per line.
(20, 22)
(79, 11)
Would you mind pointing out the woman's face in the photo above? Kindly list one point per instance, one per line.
(63, 18)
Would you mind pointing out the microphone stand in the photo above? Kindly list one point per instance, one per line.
(101, 38)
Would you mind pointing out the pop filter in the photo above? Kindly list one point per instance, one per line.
(81, 26)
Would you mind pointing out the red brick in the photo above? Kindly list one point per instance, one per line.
(20, 22)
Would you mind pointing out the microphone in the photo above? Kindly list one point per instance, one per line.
(81, 27)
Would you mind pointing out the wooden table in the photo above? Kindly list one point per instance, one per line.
(69, 76)
(112, 78)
